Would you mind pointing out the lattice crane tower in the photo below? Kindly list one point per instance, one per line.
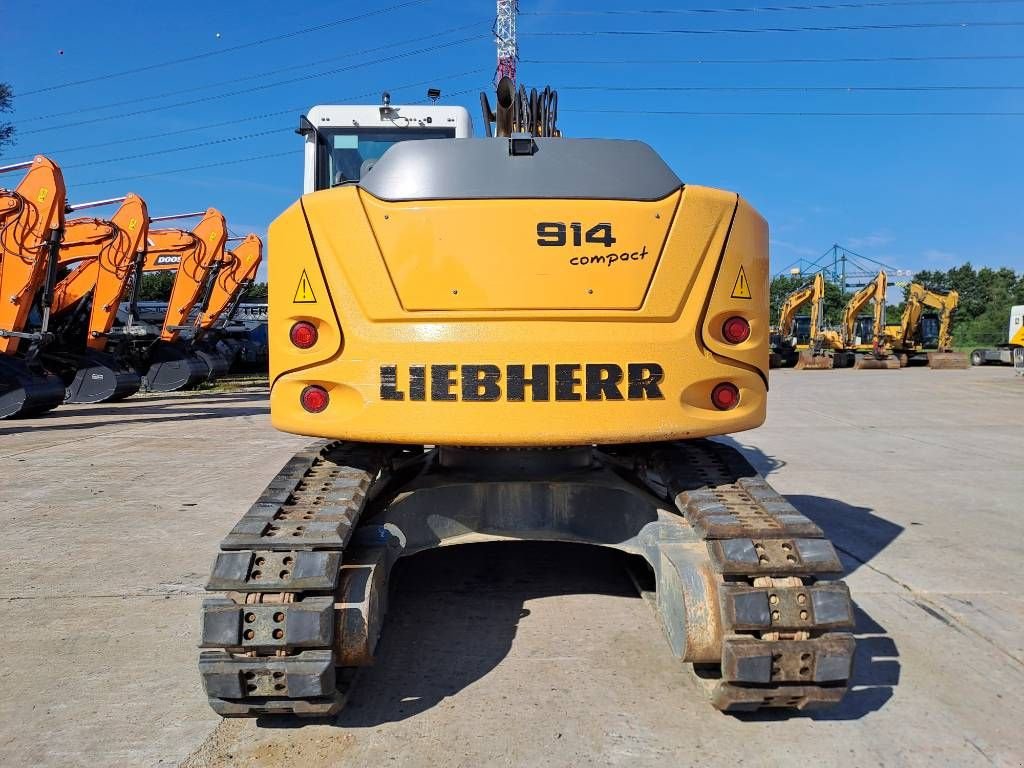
(505, 39)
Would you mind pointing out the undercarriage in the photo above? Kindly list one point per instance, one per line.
(742, 582)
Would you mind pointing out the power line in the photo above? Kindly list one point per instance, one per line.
(700, 113)
(832, 60)
(792, 88)
(249, 118)
(218, 96)
(767, 8)
(213, 142)
(266, 73)
(190, 168)
(765, 30)
(221, 51)
(153, 153)
(217, 164)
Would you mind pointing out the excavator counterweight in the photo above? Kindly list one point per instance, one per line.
(515, 338)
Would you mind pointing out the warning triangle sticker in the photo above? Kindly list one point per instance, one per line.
(304, 291)
(740, 290)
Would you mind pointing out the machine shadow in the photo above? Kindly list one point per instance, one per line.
(455, 612)
(178, 409)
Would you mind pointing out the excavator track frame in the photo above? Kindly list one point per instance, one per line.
(743, 581)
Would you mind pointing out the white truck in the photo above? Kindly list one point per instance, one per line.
(1010, 353)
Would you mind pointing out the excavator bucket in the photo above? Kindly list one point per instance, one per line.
(171, 367)
(27, 391)
(872, 363)
(808, 361)
(949, 361)
(100, 378)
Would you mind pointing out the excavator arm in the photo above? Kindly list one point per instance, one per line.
(107, 252)
(817, 305)
(31, 222)
(873, 291)
(946, 303)
(790, 305)
(193, 262)
(231, 280)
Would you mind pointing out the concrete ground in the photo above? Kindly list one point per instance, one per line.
(519, 654)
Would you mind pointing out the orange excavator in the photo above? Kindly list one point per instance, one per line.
(227, 286)
(170, 362)
(31, 227)
(86, 352)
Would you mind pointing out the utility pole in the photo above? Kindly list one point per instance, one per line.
(505, 39)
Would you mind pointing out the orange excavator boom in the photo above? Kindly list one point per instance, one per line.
(105, 252)
(31, 223)
(194, 256)
(231, 280)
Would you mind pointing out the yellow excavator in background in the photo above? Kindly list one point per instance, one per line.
(31, 227)
(908, 340)
(783, 342)
(504, 339)
(825, 348)
(873, 353)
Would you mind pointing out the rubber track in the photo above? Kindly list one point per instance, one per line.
(783, 644)
(271, 639)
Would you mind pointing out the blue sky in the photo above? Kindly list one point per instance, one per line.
(913, 191)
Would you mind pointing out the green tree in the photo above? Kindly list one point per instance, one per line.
(6, 129)
(156, 286)
(257, 292)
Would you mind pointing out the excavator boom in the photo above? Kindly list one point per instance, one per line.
(193, 263)
(31, 223)
(107, 252)
(232, 278)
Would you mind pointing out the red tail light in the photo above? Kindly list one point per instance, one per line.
(314, 399)
(736, 330)
(725, 396)
(303, 334)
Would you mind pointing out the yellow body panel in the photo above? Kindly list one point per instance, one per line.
(406, 359)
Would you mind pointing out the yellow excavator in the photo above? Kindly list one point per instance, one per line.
(518, 337)
(911, 342)
(825, 348)
(873, 353)
(783, 341)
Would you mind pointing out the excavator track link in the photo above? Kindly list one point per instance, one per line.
(295, 623)
(783, 643)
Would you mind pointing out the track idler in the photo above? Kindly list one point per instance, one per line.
(26, 391)
(172, 367)
(102, 378)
